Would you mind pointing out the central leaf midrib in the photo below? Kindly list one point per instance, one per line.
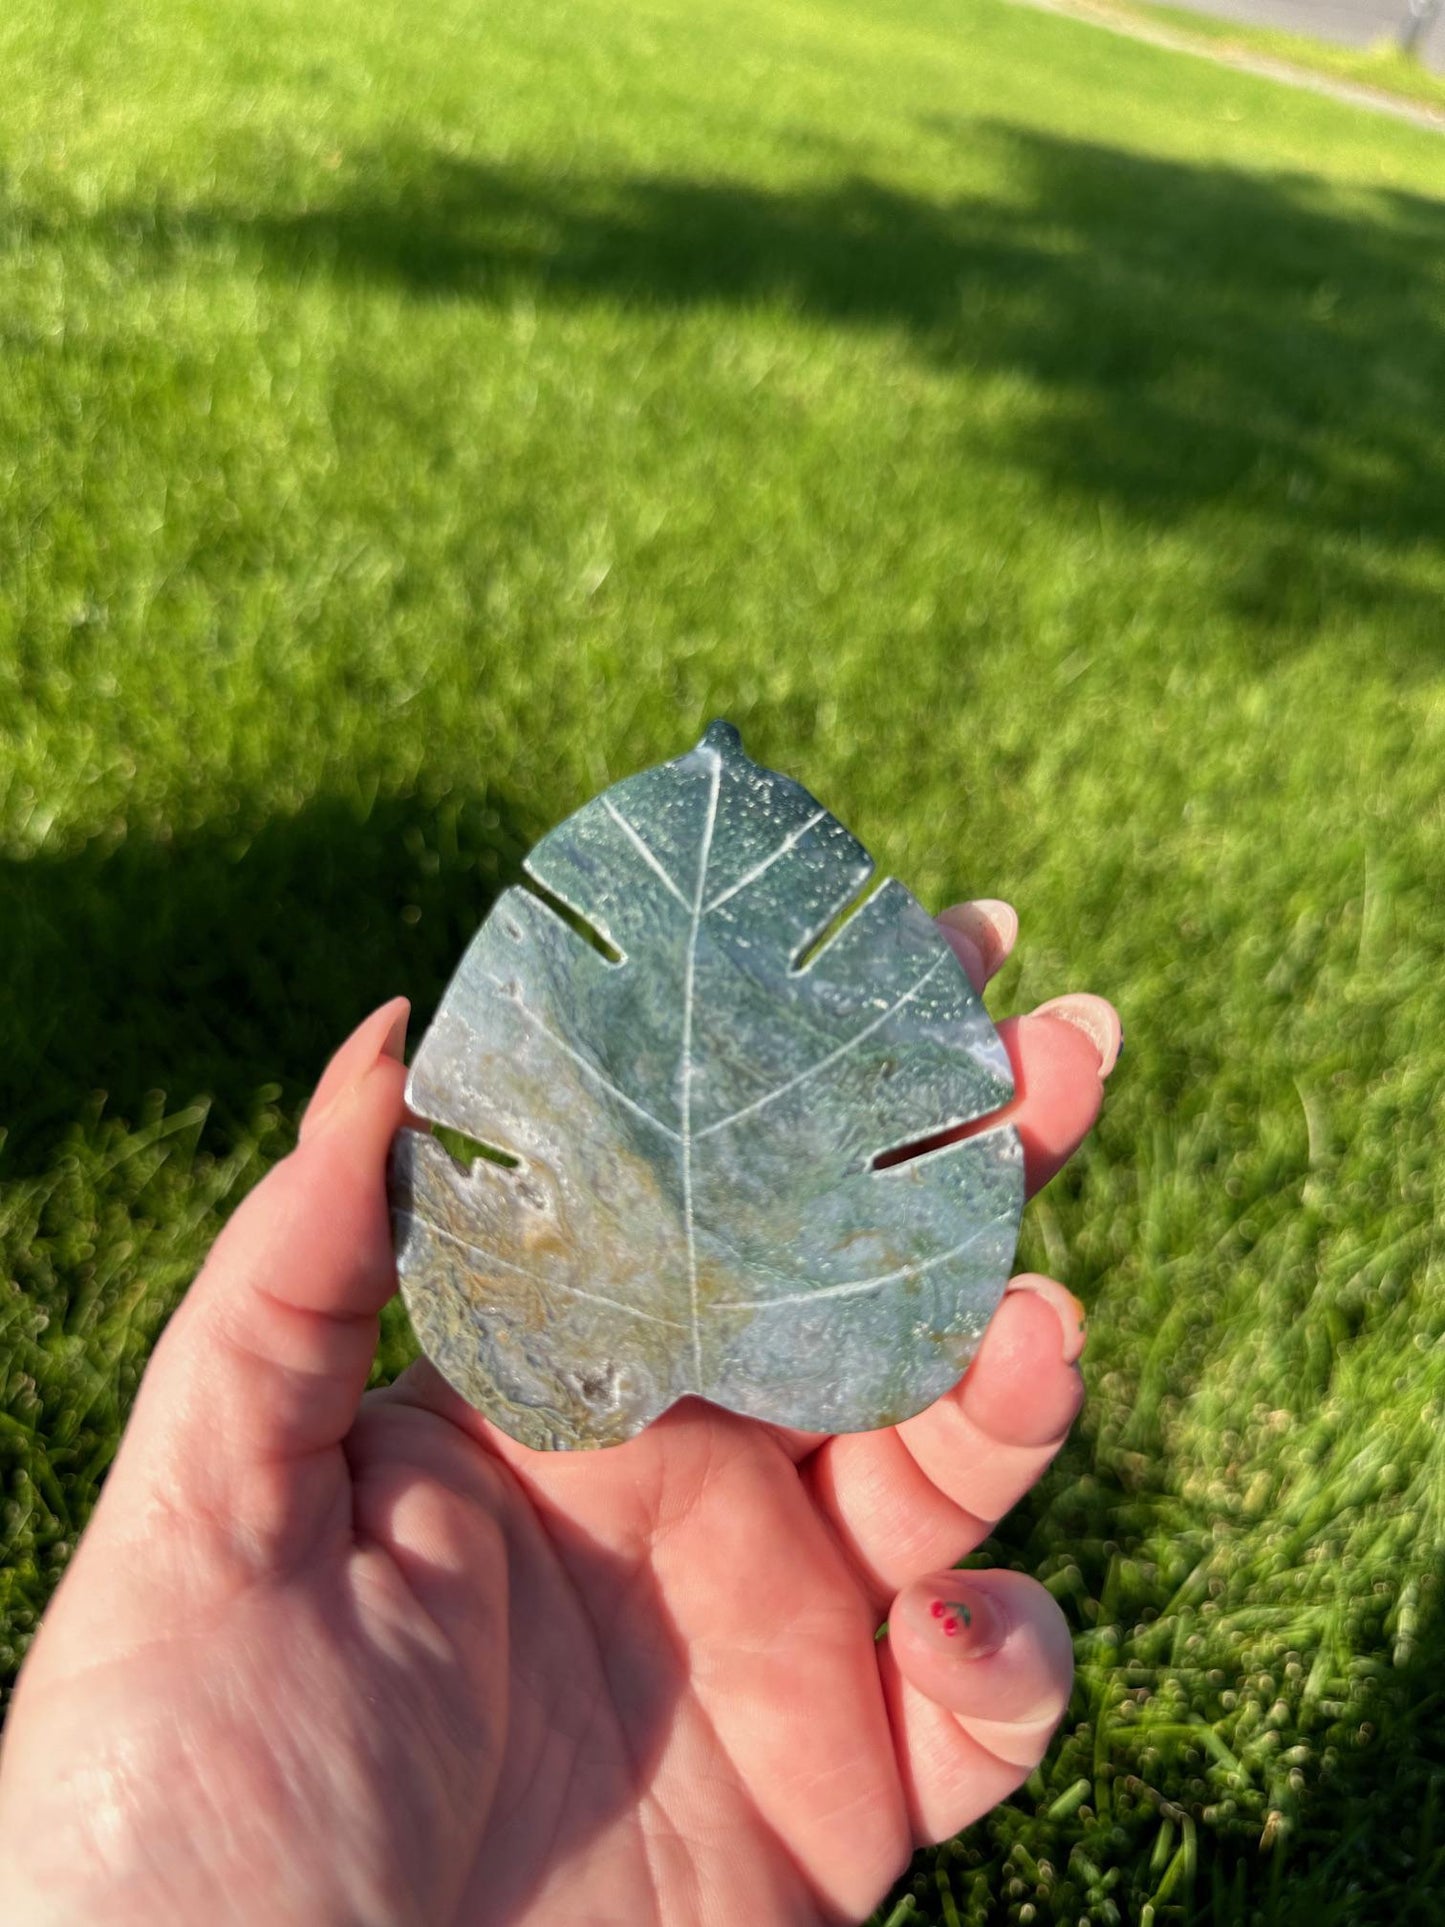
(685, 1067)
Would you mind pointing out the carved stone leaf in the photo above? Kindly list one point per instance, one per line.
(694, 1205)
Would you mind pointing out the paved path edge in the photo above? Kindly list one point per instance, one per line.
(1264, 66)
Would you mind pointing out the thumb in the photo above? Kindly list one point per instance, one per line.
(977, 1668)
(263, 1366)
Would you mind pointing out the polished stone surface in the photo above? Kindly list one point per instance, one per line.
(694, 1206)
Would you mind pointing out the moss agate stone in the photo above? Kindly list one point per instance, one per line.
(678, 1097)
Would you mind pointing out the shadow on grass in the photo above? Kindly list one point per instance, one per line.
(1366, 1840)
(230, 963)
(1203, 342)
(1201, 336)
(1347, 1829)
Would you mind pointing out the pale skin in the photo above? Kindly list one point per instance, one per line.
(323, 1657)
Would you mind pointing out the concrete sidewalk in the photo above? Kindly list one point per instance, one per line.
(1353, 23)
(1135, 26)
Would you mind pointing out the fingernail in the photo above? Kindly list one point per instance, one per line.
(988, 928)
(394, 1043)
(1073, 1318)
(965, 1621)
(967, 953)
(1096, 1017)
(382, 1034)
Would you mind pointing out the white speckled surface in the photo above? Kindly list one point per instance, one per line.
(695, 1208)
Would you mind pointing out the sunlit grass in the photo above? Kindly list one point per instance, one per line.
(413, 419)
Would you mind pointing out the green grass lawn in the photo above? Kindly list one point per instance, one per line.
(413, 418)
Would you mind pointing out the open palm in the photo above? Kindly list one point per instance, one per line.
(324, 1658)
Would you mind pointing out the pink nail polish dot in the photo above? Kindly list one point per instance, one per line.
(937, 1609)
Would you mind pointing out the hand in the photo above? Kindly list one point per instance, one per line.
(325, 1658)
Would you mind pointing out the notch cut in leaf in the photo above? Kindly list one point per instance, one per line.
(466, 1150)
(574, 921)
(703, 1201)
(834, 924)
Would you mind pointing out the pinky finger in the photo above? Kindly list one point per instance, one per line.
(977, 1670)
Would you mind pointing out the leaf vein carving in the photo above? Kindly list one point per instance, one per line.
(645, 851)
(505, 1264)
(823, 1063)
(689, 972)
(584, 1063)
(758, 869)
(858, 1286)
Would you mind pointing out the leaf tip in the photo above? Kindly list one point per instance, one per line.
(722, 736)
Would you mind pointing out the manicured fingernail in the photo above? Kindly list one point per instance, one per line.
(1096, 1017)
(964, 1620)
(967, 953)
(1072, 1317)
(982, 934)
(382, 1034)
(394, 1043)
